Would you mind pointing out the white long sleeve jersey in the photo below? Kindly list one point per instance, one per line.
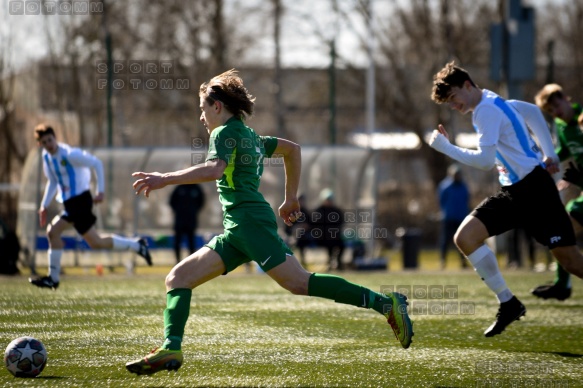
(69, 172)
(504, 139)
(505, 124)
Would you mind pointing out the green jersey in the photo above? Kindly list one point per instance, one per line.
(243, 151)
(570, 138)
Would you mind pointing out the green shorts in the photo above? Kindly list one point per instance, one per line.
(575, 209)
(250, 236)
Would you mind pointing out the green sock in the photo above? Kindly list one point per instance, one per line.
(175, 317)
(562, 277)
(342, 291)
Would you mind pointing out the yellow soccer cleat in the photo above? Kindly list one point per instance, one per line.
(399, 320)
(157, 360)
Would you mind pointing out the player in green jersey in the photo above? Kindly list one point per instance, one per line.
(552, 100)
(235, 161)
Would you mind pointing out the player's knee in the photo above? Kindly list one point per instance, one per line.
(458, 239)
(173, 280)
(52, 234)
(169, 281)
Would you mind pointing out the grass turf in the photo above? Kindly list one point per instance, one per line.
(246, 331)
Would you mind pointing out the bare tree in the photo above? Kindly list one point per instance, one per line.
(13, 148)
(414, 43)
(559, 26)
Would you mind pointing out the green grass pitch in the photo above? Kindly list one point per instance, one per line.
(246, 331)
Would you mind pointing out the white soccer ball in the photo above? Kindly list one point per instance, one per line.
(25, 357)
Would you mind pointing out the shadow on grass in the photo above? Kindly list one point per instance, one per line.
(566, 354)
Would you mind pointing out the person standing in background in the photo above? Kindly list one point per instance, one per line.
(186, 202)
(454, 202)
(327, 220)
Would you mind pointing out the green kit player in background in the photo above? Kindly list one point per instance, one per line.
(552, 100)
(235, 161)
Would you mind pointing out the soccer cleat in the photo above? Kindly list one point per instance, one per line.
(507, 313)
(44, 282)
(399, 320)
(144, 251)
(158, 359)
(549, 291)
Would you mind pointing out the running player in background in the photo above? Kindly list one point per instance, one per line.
(528, 197)
(565, 113)
(68, 170)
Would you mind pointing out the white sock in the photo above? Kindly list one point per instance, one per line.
(486, 265)
(55, 264)
(124, 243)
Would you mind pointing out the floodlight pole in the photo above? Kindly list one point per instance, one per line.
(332, 93)
(109, 90)
(109, 94)
(370, 121)
(511, 63)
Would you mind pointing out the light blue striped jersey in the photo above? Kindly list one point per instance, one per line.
(498, 122)
(69, 171)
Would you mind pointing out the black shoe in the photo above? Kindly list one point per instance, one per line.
(507, 313)
(549, 291)
(44, 282)
(144, 251)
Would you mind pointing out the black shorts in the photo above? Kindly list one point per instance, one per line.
(79, 212)
(532, 204)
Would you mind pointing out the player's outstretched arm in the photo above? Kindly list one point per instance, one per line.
(291, 152)
(148, 181)
(482, 158)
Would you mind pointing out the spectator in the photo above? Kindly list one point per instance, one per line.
(299, 233)
(10, 248)
(327, 221)
(454, 202)
(186, 202)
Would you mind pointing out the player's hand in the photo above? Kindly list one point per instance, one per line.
(290, 212)
(42, 217)
(573, 175)
(147, 182)
(442, 130)
(439, 131)
(99, 198)
(551, 165)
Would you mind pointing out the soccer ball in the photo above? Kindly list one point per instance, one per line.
(25, 357)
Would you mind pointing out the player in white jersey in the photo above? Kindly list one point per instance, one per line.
(68, 170)
(528, 197)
